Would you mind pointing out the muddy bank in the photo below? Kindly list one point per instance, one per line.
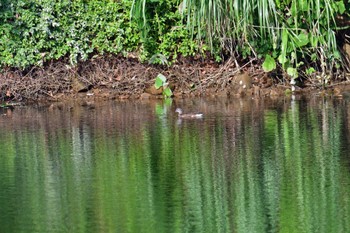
(117, 77)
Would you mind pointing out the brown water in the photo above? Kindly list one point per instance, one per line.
(247, 166)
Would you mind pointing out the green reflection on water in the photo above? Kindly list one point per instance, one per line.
(276, 171)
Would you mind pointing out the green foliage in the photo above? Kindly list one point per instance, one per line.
(162, 82)
(163, 31)
(292, 72)
(269, 64)
(35, 31)
(290, 30)
(159, 59)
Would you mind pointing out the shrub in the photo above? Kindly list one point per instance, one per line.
(36, 31)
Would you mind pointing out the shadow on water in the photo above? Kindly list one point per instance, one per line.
(247, 166)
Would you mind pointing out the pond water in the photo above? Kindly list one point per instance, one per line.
(247, 166)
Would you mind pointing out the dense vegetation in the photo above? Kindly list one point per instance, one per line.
(35, 31)
(292, 35)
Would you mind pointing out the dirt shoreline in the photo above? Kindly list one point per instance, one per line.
(115, 77)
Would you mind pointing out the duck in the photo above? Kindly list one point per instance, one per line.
(188, 115)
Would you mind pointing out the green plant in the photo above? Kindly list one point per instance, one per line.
(269, 64)
(36, 31)
(163, 31)
(289, 31)
(33, 32)
(159, 59)
(161, 82)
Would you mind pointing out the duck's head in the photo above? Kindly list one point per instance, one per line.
(179, 111)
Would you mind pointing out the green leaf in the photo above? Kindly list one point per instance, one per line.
(314, 41)
(162, 77)
(284, 39)
(341, 7)
(269, 64)
(310, 70)
(313, 57)
(336, 55)
(160, 81)
(294, 8)
(303, 4)
(292, 72)
(302, 40)
(167, 92)
(282, 59)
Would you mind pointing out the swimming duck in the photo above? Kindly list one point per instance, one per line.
(188, 115)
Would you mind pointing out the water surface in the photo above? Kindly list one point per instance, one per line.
(247, 166)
